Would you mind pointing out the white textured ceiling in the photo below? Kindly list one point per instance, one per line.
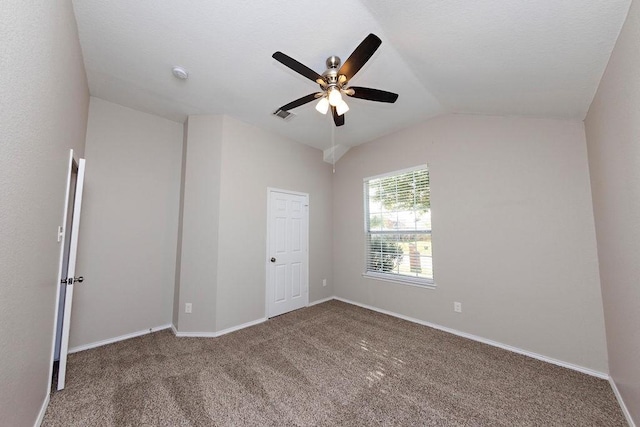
(504, 57)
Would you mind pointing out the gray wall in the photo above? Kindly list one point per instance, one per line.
(513, 233)
(129, 227)
(229, 166)
(613, 141)
(197, 281)
(183, 169)
(43, 113)
(252, 160)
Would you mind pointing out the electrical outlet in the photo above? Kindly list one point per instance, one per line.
(324, 282)
(457, 307)
(187, 307)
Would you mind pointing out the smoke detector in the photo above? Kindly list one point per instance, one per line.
(180, 73)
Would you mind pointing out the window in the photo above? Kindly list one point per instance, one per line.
(398, 227)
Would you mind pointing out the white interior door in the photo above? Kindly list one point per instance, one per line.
(287, 252)
(64, 236)
(70, 273)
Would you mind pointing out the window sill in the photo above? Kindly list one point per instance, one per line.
(409, 281)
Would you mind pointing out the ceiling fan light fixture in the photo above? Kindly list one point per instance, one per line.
(334, 96)
(323, 105)
(342, 107)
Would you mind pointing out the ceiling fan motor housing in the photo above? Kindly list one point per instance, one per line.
(331, 74)
(333, 62)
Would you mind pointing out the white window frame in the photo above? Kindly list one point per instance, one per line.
(428, 283)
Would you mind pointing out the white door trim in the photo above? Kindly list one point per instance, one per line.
(267, 257)
(61, 240)
(73, 247)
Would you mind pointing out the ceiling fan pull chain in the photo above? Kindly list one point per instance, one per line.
(333, 145)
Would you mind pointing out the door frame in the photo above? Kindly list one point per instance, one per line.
(71, 273)
(71, 164)
(268, 247)
(75, 201)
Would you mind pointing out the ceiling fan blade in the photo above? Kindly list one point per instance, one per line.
(338, 120)
(372, 94)
(297, 67)
(300, 101)
(360, 56)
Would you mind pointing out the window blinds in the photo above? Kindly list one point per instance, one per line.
(398, 226)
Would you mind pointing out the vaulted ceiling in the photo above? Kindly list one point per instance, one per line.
(540, 58)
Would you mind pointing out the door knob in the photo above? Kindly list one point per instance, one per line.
(72, 280)
(273, 259)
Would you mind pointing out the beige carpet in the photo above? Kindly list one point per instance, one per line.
(333, 364)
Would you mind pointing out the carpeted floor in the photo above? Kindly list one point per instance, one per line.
(332, 364)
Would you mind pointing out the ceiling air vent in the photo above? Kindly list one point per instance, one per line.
(284, 115)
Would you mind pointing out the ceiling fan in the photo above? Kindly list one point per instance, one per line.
(334, 81)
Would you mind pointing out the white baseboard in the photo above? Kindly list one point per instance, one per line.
(219, 333)
(116, 339)
(43, 410)
(320, 301)
(624, 408)
(547, 359)
(237, 328)
(194, 334)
